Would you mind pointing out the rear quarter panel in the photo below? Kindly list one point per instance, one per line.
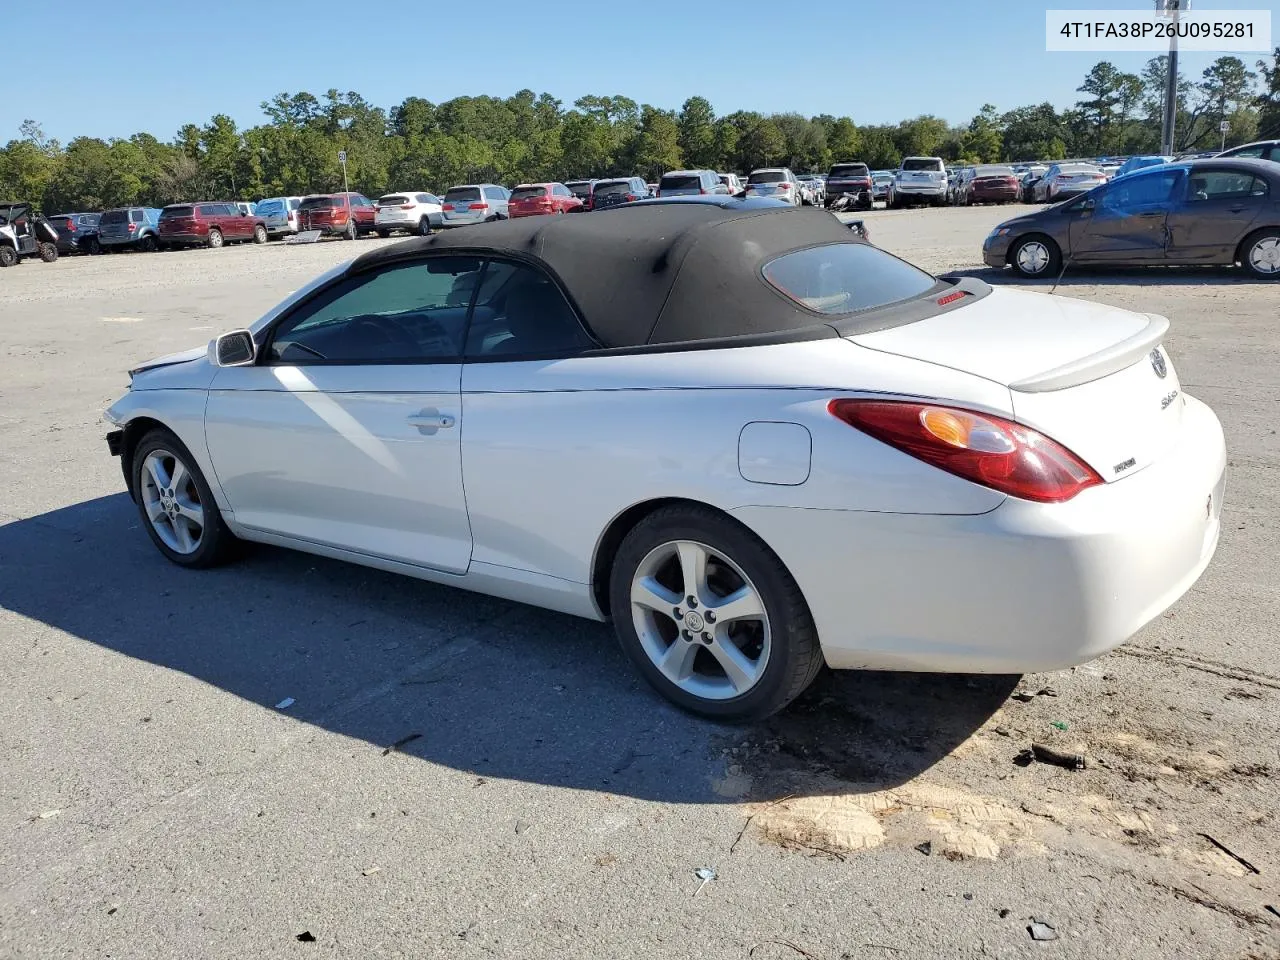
(553, 451)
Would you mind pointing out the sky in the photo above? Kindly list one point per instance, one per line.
(111, 70)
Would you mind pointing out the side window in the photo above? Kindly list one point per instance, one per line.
(207, 209)
(520, 314)
(136, 216)
(1255, 152)
(1223, 185)
(294, 204)
(1134, 193)
(407, 313)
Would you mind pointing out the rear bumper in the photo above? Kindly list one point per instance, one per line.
(987, 194)
(920, 189)
(183, 238)
(1025, 587)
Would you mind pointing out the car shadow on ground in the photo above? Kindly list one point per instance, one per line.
(492, 688)
(1098, 276)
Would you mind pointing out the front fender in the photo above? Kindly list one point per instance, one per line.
(179, 411)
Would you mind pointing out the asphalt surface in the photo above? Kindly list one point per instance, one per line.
(155, 802)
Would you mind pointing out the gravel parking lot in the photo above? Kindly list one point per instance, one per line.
(155, 803)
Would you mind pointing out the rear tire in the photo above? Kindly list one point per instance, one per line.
(260, 234)
(215, 238)
(1260, 254)
(92, 247)
(350, 233)
(166, 510)
(147, 244)
(736, 670)
(8, 256)
(48, 252)
(424, 227)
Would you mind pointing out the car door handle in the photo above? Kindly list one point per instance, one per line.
(429, 420)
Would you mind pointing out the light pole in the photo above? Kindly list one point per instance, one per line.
(1224, 128)
(1173, 9)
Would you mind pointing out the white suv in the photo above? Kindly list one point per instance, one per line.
(918, 180)
(777, 182)
(410, 211)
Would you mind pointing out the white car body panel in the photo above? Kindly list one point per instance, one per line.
(904, 566)
(341, 456)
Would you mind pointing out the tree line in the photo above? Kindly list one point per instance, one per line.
(530, 137)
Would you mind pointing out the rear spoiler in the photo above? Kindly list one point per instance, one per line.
(1105, 362)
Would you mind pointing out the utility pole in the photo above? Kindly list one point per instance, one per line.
(1224, 128)
(1172, 9)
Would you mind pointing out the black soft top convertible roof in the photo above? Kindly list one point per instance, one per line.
(655, 272)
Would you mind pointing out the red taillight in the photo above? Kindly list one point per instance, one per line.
(784, 186)
(701, 192)
(71, 226)
(406, 206)
(631, 198)
(985, 449)
(479, 206)
(446, 206)
(133, 226)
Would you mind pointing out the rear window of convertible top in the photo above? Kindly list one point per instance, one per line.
(839, 278)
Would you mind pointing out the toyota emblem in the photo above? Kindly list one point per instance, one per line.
(1158, 364)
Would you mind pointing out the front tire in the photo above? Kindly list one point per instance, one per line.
(176, 504)
(350, 233)
(8, 256)
(48, 252)
(1035, 256)
(215, 238)
(1260, 254)
(260, 234)
(711, 617)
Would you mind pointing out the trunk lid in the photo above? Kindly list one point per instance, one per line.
(1092, 377)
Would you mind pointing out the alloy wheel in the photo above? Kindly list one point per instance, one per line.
(700, 620)
(172, 501)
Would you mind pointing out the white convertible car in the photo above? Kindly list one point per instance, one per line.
(751, 441)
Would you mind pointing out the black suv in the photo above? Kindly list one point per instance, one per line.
(853, 179)
(610, 193)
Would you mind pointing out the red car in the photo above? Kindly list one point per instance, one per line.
(992, 183)
(536, 199)
(208, 225)
(344, 214)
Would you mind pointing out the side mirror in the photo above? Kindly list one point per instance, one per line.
(235, 349)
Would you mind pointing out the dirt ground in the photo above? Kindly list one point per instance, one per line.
(153, 800)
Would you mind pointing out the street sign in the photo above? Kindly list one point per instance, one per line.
(1224, 126)
(342, 156)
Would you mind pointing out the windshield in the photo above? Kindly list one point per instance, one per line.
(846, 278)
(316, 203)
(767, 176)
(921, 163)
(528, 193)
(848, 170)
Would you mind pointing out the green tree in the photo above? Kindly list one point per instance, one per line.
(1268, 101)
(656, 147)
(844, 141)
(983, 141)
(697, 134)
(921, 136)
